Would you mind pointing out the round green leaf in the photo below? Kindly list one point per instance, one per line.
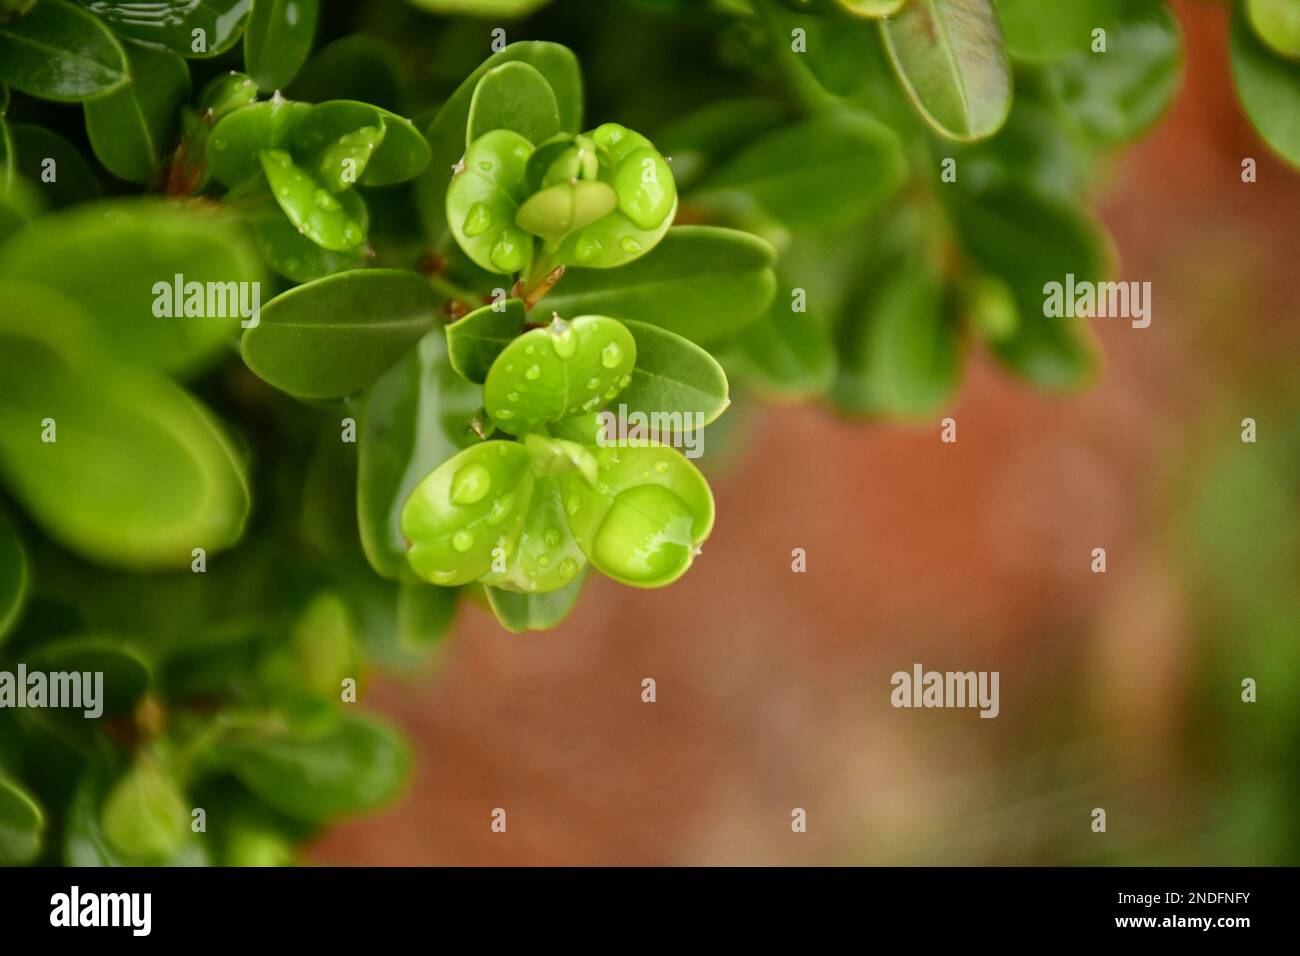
(400, 155)
(35, 147)
(552, 373)
(545, 557)
(237, 140)
(14, 576)
(701, 282)
(226, 93)
(950, 57)
(341, 164)
(332, 222)
(675, 376)
(513, 96)
(519, 611)
(483, 199)
(277, 40)
(133, 128)
(144, 816)
(467, 512)
(1277, 23)
(22, 825)
(646, 517)
(292, 254)
(58, 51)
(475, 341)
(197, 29)
(557, 210)
(1269, 87)
(137, 474)
(337, 335)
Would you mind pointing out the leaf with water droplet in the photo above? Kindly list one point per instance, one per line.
(518, 611)
(315, 212)
(475, 341)
(566, 355)
(342, 164)
(545, 557)
(292, 254)
(453, 531)
(277, 40)
(239, 138)
(556, 211)
(57, 51)
(399, 156)
(485, 195)
(675, 377)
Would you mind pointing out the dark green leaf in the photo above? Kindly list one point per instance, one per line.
(789, 353)
(674, 375)
(337, 335)
(277, 40)
(22, 825)
(713, 133)
(59, 51)
(132, 128)
(193, 28)
(126, 674)
(701, 282)
(359, 67)
(53, 165)
(401, 155)
(518, 611)
(14, 576)
(513, 96)
(336, 223)
(474, 342)
(1269, 87)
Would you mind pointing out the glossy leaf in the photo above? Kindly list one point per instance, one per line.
(553, 373)
(22, 825)
(834, 167)
(58, 51)
(226, 93)
(701, 282)
(341, 164)
(14, 576)
(411, 420)
(647, 515)
(950, 57)
(519, 611)
(558, 210)
(132, 128)
(401, 155)
(277, 39)
(475, 341)
(1269, 87)
(74, 180)
(337, 335)
(332, 222)
(292, 254)
(674, 375)
(483, 199)
(128, 255)
(351, 766)
(467, 512)
(173, 25)
(237, 140)
(139, 473)
(513, 96)
(545, 557)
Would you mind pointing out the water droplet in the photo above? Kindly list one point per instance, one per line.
(507, 253)
(625, 381)
(661, 466)
(532, 372)
(587, 248)
(611, 392)
(220, 144)
(573, 505)
(611, 355)
(529, 349)
(563, 339)
(352, 233)
(462, 541)
(543, 560)
(568, 568)
(283, 192)
(470, 484)
(630, 245)
(505, 413)
(552, 537)
(593, 384)
(500, 508)
(478, 219)
(512, 396)
(510, 366)
(324, 200)
(485, 165)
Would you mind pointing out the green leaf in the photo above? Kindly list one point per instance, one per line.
(703, 138)
(483, 199)
(1269, 87)
(558, 210)
(1045, 31)
(673, 375)
(85, 843)
(401, 155)
(292, 254)
(14, 576)
(518, 611)
(545, 557)
(474, 342)
(481, 8)
(337, 335)
(1029, 241)
(239, 138)
(226, 93)
(789, 353)
(138, 473)
(701, 282)
(22, 825)
(424, 615)
(358, 67)
(277, 40)
(834, 47)
(1118, 95)
(874, 9)
(446, 133)
(339, 165)
(351, 766)
(409, 422)
(128, 254)
(513, 96)
(132, 128)
(467, 512)
(74, 180)
(61, 52)
(553, 373)
(834, 167)
(126, 673)
(332, 222)
(144, 815)
(646, 517)
(950, 57)
(173, 25)
(1277, 23)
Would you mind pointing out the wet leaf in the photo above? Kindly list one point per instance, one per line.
(58, 51)
(475, 341)
(277, 40)
(135, 126)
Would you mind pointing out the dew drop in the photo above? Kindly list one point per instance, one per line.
(324, 200)
(563, 339)
(505, 413)
(552, 537)
(630, 245)
(593, 384)
(543, 560)
(661, 466)
(351, 233)
(470, 484)
(462, 541)
(512, 396)
(625, 381)
(573, 506)
(478, 219)
(507, 254)
(611, 355)
(568, 568)
(500, 508)
(532, 372)
(587, 248)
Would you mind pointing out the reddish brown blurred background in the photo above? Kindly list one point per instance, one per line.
(773, 687)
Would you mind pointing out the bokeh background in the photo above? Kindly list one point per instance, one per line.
(1119, 690)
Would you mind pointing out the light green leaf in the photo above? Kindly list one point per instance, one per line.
(337, 335)
(474, 342)
(873, 9)
(401, 155)
(238, 139)
(513, 96)
(134, 127)
(14, 576)
(545, 557)
(483, 199)
(518, 611)
(481, 8)
(335, 223)
(277, 40)
(1269, 87)
(58, 51)
(145, 817)
(701, 282)
(22, 825)
(292, 254)
(673, 375)
(950, 57)
(1277, 23)
(835, 167)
